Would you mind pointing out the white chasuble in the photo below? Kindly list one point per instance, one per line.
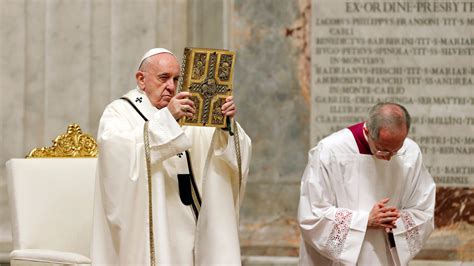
(183, 234)
(339, 188)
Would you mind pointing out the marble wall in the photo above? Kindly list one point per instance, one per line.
(418, 56)
(63, 61)
(67, 60)
(273, 42)
(272, 88)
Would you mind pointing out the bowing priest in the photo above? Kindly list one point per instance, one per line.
(366, 197)
(166, 194)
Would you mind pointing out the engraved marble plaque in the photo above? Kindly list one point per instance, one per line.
(207, 75)
(419, 54)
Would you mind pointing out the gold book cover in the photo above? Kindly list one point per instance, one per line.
(207, 75)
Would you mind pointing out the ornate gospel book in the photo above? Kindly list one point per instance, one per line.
(207, 75)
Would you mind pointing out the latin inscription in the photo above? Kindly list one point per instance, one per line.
(417, 53)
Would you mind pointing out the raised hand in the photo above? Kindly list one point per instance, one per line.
(180, 105)
(381, 216)
(228, 108)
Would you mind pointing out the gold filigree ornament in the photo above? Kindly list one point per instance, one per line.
(72, 144)
(207, 75)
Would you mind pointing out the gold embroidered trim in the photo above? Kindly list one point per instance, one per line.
(237, 151)
(196, 201)
(150, 194)
(72, 144)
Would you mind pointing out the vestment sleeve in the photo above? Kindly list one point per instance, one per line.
(417, 211)
(224, 150)
(336, 233)
(121, 164)
(120, 142)
(221, 196)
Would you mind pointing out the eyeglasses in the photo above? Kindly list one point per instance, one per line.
(386, 153)
(376, 150)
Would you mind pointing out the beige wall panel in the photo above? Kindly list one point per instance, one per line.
(164, 24)
(12, 77)
(100, 71)
(207, 25)
(133, 33)
(34, 71)
(12, 84)
(178, 25)
(67, 65)
(171, 24)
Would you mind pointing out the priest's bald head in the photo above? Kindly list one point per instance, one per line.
(157, 76)
(386, 128)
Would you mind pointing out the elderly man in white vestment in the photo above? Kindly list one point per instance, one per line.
(366, 197)
(192, 185)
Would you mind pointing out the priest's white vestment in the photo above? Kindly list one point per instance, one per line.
(121, 222)
(339, 188)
